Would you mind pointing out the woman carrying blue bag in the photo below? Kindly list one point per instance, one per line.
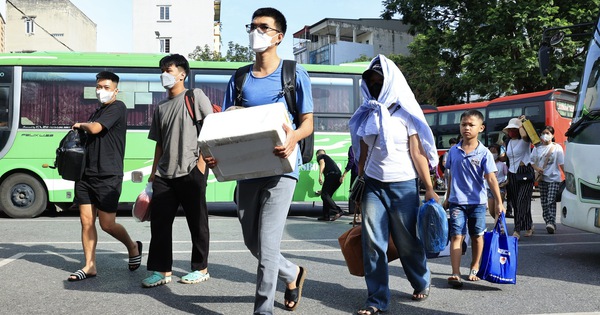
(395, 146)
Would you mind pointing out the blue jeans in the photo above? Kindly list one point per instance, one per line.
(463, 215)
(263, 206)
(391, 208)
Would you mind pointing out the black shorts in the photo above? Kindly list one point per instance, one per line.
(101, 191)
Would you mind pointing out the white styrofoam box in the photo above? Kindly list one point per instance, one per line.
(242, 142)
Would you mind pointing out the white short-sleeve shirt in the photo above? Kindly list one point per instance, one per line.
(397, 165)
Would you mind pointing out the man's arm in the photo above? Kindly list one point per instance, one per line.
(293, 136)
(91, 128)
(158, 152)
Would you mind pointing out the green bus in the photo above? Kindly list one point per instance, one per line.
(43, 93)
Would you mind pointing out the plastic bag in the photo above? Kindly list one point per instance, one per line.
(432, 226)
(499, 257)
(141, 207)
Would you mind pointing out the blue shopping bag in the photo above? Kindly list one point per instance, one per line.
(499, 257)
(432, 227)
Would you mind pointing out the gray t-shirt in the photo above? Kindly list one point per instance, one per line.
(173, 129)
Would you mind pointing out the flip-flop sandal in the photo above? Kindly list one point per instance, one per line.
(294, 295)
(424, 295)
(79, 275)
(455, 281)
(370, 309)
(136, 261)
(473, 273)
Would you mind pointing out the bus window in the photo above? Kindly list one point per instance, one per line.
(506, 113)
(531, 111)
(53, 98)
(430, 118)
(213, 85)
(444, 142)
(565, 109)
(4, 112)
(333, 95)
(4, 116)
(450, 118)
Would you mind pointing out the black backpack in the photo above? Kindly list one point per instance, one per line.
(288, 83)
(70, 155)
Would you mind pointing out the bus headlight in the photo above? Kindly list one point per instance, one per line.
(570, 183)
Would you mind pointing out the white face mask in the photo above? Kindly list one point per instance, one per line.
(546, 137)
(168, 80)
(259, 42)
(495, 155)
(104, 96)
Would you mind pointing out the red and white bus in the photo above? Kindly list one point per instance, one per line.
(546, 108)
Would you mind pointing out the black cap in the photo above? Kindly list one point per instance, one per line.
(376, 67)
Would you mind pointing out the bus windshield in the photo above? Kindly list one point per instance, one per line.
(587, 110)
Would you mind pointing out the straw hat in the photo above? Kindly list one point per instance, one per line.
(513, 123)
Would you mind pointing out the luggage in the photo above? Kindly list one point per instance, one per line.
(70, 155)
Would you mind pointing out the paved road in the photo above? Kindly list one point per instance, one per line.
(557, 273)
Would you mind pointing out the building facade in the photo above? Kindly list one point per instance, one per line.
(52, 25)
(176, 26)
(336, 41)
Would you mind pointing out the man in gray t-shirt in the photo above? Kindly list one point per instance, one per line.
(178, 177)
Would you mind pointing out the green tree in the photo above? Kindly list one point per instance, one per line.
(205, 54)
(486, 48)
(237, 52)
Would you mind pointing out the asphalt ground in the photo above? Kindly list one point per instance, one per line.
(557, 273)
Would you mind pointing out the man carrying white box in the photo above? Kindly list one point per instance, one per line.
(263, 203)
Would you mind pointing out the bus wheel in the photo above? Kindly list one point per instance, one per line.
(22, 196)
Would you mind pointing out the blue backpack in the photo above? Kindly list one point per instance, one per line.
(432, 226)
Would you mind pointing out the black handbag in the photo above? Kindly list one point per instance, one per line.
(357, 190)
(526, 177)
(561, 188)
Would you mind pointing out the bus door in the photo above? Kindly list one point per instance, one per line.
(6, 113)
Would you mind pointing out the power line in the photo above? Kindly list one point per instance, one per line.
(41, 27)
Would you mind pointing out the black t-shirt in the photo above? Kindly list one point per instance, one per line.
(105, 151)
(330, 165)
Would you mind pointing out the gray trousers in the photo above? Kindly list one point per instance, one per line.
(263, 206)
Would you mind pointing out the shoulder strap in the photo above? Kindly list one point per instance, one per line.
(549, 154)
(190, 104)
(239, 80)
(288, 82)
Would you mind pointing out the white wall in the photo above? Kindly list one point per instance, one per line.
(191, 24)
(347, 52)
(59, 17)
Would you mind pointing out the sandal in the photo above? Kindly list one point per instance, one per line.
(369, 310)
(294, 295)
(195, 277)
(155, 280)
(455, 281)
(136, 261)
(473, 275)
(423, 293)
(79, 275)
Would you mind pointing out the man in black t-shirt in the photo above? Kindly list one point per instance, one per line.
(332, 174)
(97, 192)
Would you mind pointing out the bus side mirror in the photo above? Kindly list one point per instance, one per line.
(544, 58)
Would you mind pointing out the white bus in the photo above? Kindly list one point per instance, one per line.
(580, 202)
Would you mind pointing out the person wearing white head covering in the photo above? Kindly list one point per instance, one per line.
(394, 146)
